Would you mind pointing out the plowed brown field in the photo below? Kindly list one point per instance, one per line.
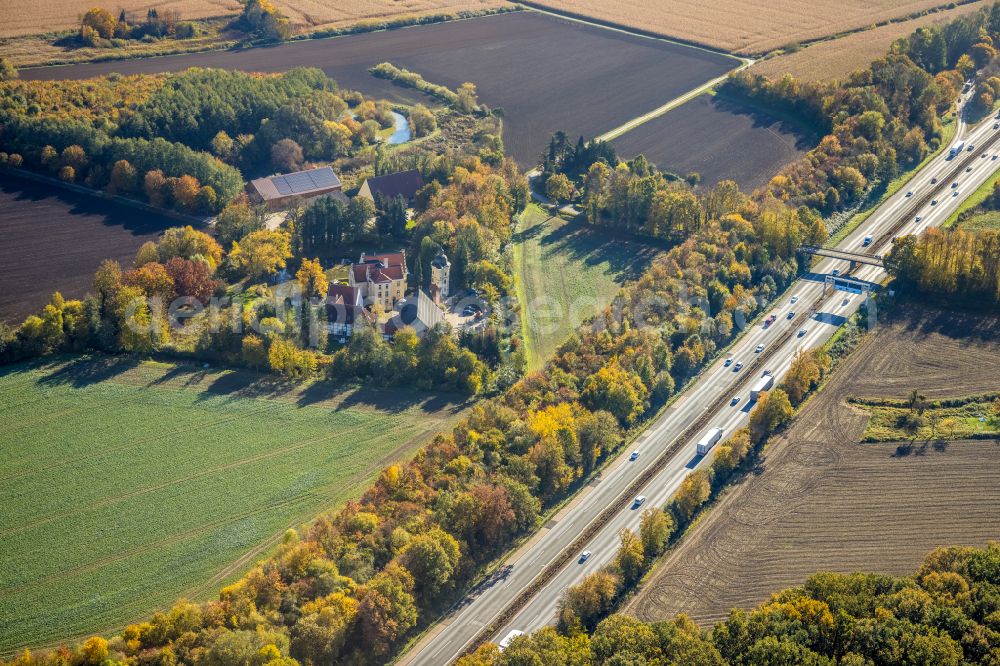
(54, 240)
(820, 501)
(547, 74)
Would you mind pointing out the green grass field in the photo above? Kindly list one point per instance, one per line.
(565, 273)
(127, 485)
(985, 221)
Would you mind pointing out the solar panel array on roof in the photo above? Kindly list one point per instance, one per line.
(305, 181)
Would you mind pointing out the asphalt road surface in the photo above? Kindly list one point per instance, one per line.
(825, 314)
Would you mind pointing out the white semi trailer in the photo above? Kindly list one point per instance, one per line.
(956, 149)
(761, 385)
(706, 443)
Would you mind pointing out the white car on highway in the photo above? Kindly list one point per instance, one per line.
(634, 456)
(638, 501)
(584, 556)
(759, 349)
(735, 400)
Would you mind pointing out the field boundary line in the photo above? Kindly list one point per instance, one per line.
(630, 125)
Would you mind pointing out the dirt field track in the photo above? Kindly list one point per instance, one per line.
(26, 17)
(54, 239)
(822, 502)
(545, 73)
(718, 139)
(742, 26)
(836, 58)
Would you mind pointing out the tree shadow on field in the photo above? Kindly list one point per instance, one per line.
(625, 258)
(805, 137)
(956, 324)
(391, 400)
(244, 384)
(88, 370)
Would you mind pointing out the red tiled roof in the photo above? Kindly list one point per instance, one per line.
(391, 259)
(342, 293)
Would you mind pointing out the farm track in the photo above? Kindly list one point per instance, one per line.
(819, 501)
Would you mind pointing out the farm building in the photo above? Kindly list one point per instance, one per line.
(277, 192)
(345, 309)
(402, 183)
(380, 278)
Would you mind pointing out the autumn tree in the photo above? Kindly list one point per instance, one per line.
(8, 72)
(386, 609)
(236, 221)
(630, 558)
(192, 278)
(261, 253)
(312, 278)
(155, 187)
(431, 558)
(655, 529)
(422, 121)
(694, 491)
(286, 155)
(592, 598)
(467, 100)
(616, 390)
(101, 21)
(807, 368)
(558, 188)
(772, 411)
(189, 243)
(153, 279)
(124, 178)
(184, 191)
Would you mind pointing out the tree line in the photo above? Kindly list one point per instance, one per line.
(203, 124)
(951, 264)
(354, 585)
(944, 614)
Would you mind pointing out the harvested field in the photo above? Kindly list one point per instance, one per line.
(719, 139)
(745, 27)
(820, 501)
(128, 485)
(837, 58)
(54, 240)
(24, 17)
(546, 73)
(567, 272)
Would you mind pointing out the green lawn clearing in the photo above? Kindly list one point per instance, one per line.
(566, 271)
(961, 418)
(985, 221)
(128, 485)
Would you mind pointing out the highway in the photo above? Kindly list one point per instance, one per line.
(815, 316)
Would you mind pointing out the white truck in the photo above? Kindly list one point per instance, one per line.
(514, 633)
(706, 443)
(761, 385)
(956, 149)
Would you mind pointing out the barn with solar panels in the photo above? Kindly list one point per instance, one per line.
(278, 192)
